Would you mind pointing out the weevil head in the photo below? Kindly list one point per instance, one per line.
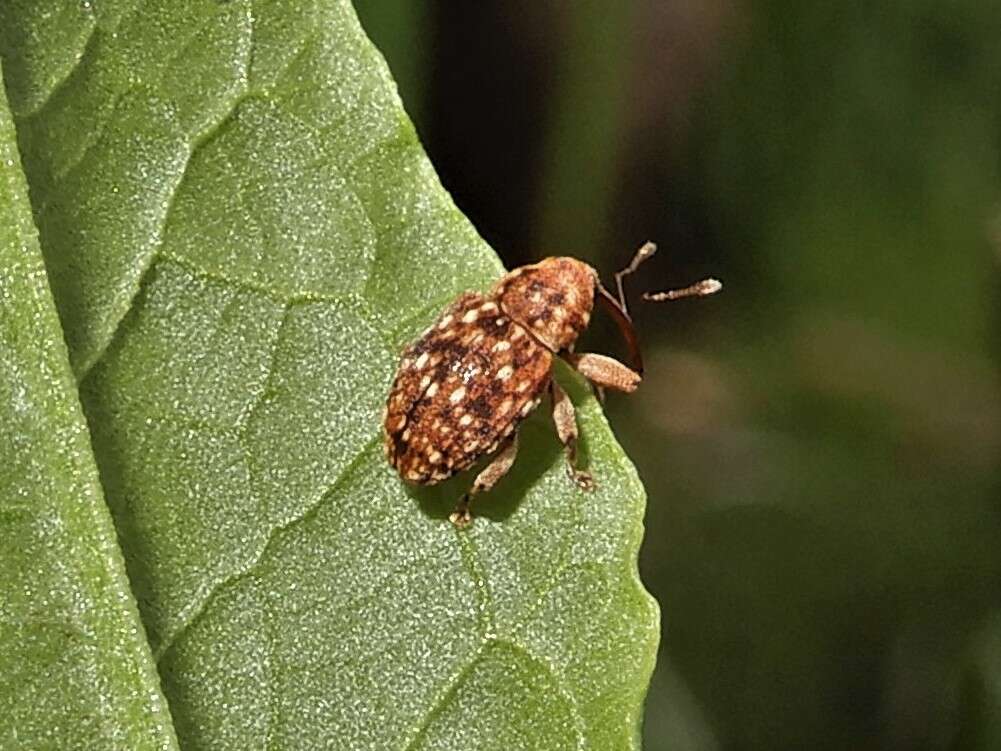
(552, 299)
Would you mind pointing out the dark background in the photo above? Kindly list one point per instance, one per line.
(820, 443)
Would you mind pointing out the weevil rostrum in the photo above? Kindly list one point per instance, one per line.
(464, 386)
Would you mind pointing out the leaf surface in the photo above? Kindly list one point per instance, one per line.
(76, 669)
(242, 231)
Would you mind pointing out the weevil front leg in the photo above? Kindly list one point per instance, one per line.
(604, 371)
(566, 428)
(486, 479)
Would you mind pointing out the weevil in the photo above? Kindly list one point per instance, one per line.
(465, 385)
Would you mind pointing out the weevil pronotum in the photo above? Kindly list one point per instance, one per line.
(463, 387)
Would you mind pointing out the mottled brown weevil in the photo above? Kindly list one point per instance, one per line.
(464, 386)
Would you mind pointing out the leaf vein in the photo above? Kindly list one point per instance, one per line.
(451, 688)
(559, 681)
(481, 586)
(154, 248)
(249, 570)
(62, 82)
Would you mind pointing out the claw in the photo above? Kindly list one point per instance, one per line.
(581, 479)
(461, 517)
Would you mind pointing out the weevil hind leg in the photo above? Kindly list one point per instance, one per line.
(565, 420)
(485, 480)
(604, 371)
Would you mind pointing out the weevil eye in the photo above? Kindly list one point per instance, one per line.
(553, 299)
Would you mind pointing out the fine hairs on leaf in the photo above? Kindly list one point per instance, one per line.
(241, 230)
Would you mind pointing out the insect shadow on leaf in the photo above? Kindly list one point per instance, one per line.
(538, 450)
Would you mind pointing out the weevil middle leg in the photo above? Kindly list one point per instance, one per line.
(486, 479)
(565, 420)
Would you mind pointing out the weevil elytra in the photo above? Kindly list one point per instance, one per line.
(463, 387)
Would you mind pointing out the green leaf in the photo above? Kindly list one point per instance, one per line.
(241, 231)
(76, 669)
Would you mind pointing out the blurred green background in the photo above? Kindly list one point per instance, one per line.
(821, 443)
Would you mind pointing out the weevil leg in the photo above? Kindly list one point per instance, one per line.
(605, 371)
(566, 428)
(597, 390)
(645, 252)
(625, 324)
(486, 479)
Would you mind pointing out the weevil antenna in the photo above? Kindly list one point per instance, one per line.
(645, 252)
(700, 289)
(625, 324)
